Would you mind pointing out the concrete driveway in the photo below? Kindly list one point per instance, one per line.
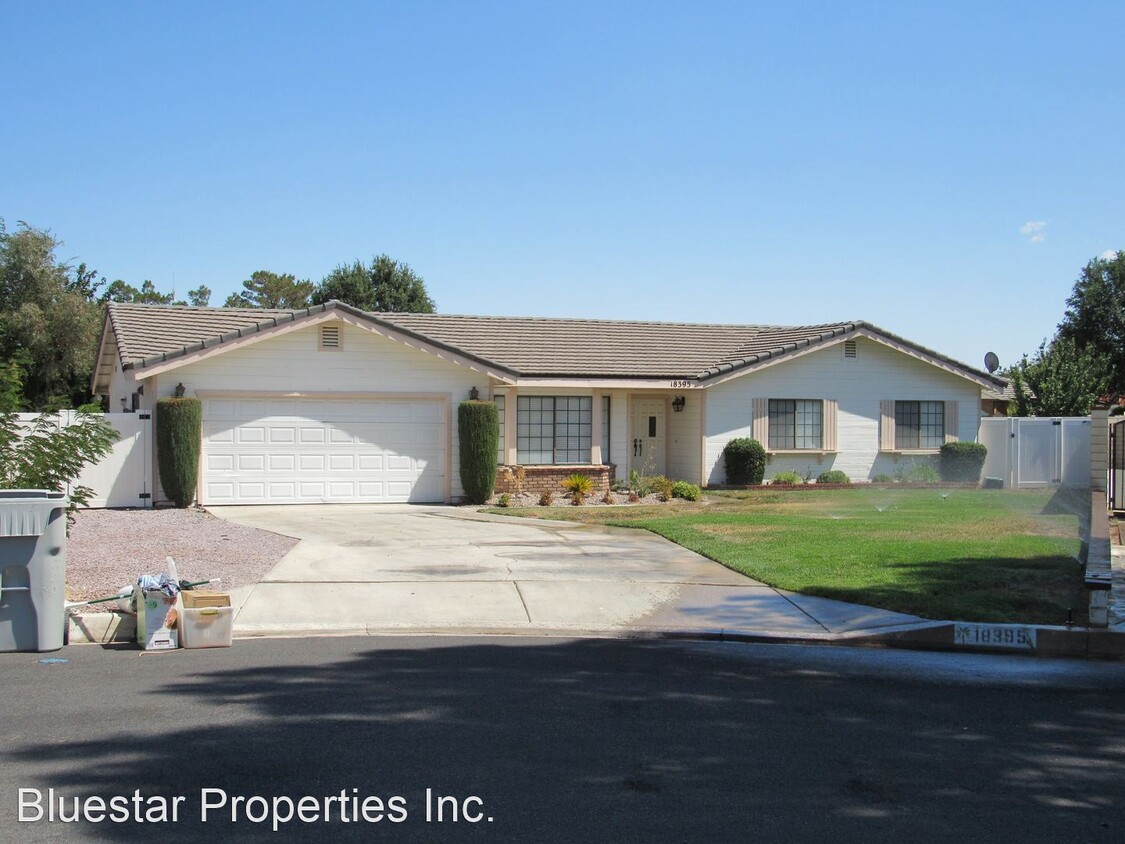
(396, 568)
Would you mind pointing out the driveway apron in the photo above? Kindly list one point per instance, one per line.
(432, 569)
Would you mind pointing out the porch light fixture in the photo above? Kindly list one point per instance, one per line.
(474, 394)
(123, 400)
(678, 403)
(180, 390)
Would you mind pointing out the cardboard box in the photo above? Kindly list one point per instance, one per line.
(194, 599)
(152, 609)
(206, 627)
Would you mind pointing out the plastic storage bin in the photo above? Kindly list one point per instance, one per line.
(32, 569)
(206, 627)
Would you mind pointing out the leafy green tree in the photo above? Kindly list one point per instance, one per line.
(384, 285)
(200, 297)
(1095, 315)
(46, 455)
(49, 320)
(119, 291)
(270, 290)
(1064, 380)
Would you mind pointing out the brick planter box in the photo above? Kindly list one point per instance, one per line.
(540, 479)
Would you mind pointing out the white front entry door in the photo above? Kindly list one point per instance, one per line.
(311, 450)
(647, 443)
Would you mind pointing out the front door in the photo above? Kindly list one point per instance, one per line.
(647, 442)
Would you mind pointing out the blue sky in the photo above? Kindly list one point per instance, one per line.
(943, 170)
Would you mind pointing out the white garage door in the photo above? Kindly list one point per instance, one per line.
(305, 451)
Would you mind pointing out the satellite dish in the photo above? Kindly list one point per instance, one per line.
(991, 362)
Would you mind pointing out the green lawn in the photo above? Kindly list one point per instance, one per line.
(963, 554)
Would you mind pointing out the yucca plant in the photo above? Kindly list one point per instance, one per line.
(579, 486)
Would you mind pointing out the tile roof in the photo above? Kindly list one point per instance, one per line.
(526, 347)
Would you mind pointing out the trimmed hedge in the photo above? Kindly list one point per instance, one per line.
(962, 462)
(833, 476)
(745, 461)
(179, 436)
(478, 427)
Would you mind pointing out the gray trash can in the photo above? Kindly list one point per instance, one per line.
(32, 569)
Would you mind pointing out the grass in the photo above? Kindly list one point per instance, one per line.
(963, 554)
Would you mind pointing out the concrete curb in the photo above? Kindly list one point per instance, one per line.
(1050, 641)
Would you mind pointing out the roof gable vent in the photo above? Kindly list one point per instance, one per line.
(330, 337)
(849, 348)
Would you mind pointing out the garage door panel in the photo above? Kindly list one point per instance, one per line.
(282, 462)
(307, 450)
(312, 462)
(312, 435)
(251, 462)
(281, 434)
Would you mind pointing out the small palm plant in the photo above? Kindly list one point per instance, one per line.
(579, 486)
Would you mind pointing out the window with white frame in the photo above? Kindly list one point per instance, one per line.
(919, 424)
(501, 456)
(796, 424)
(553, 429)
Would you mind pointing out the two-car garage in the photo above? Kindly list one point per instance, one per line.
(312, 449)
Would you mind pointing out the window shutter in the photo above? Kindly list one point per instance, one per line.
(761, 429)
(951, 421)
(828, 432)
(887, 425)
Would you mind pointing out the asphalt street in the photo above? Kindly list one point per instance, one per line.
(547, 739)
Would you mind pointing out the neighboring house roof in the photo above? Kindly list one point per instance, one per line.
(524, 347)
(1007, 393)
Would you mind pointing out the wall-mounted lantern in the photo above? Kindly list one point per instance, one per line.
(180, 390)
(678, 403)
(474, 394)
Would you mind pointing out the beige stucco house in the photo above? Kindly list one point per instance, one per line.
(332, 404)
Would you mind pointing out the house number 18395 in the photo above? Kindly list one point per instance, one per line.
(681, 385)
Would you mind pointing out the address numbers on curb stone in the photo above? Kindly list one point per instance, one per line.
(994, 636)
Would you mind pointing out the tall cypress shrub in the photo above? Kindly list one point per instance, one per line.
(179, 435)
(478, 427)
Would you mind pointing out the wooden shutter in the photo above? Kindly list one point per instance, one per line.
(828, 438)
(761, 429)
(887, 425)
(951, 422)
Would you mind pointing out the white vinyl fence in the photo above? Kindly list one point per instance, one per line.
(1029, 452)
(122, 477)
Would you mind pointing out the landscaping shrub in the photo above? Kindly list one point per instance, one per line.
(505, 500)
(745, 461)
(546, 499)
(833, 476)
(579, 486)
(662, 486)
(918, 473)
(179, 435)
(882, 478)
(962, 462)
(686, 491)
(787, 478)
(478, 426)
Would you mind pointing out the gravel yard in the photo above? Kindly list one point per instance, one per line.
(108, 549)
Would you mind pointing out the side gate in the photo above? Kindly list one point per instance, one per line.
(1116, 490)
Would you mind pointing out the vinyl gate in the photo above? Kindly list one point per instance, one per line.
(122, 478)
(1116, 492)
(1031, 452)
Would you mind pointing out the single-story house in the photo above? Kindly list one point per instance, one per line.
(333, 404)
